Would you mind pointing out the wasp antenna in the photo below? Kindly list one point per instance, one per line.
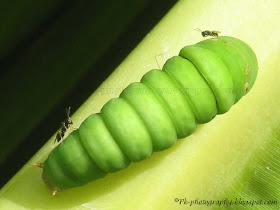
(197, 29)
(68, 111)
(54, 192)
(39, 165)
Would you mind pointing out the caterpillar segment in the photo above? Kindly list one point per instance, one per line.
(206, 79)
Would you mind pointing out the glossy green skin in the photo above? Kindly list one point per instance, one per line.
(206, 79)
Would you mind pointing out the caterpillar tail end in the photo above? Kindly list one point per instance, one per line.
(53, 189)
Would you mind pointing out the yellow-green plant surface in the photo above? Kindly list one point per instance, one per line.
(236, 155)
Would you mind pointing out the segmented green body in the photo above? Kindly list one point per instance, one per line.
(206, 79)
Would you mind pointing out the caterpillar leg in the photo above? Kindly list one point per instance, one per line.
(39, 165)
(159, 55)
(54, 192)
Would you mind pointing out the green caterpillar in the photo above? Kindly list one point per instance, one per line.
(206, 79)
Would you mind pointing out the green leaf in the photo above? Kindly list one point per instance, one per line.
(236, 155)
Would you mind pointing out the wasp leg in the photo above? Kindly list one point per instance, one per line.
(55, 139)
(60, 137)
(64, 126)
(73, 128)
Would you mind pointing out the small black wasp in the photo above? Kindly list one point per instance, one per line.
(64, 126)
(208, 33)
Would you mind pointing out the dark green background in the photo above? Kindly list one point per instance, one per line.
(54, 54)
